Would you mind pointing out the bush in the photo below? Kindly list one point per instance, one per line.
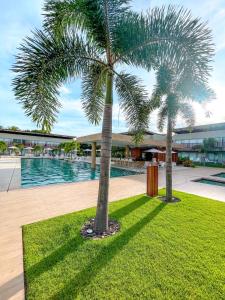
(188, 163)
(181, 160)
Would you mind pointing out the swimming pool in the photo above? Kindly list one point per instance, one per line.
(210, 181)
(39, 172)
(221, 175)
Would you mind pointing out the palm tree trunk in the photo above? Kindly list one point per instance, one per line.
(169, 160)
(101, 220)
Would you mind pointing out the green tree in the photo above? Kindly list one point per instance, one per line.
(14, 128)
(90, 39)
(40, 131)
(70, 147)
(20, 147)
(3, 146)
(176, 87)
(38, 149)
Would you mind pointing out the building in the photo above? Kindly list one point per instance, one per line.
(125, 140)
(30, 139)
(192, 140)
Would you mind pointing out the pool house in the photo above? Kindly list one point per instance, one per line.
(151, 148)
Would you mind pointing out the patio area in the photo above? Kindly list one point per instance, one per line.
(24, 206)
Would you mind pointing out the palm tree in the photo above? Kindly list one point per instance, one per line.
(70, 147)
(3, 146)
(173, 93)
(20, 147)
(38, 149)
(90, 39)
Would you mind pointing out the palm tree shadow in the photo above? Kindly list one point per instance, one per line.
(50, 261)
(107, 253)
(127, 209)
(74, 244)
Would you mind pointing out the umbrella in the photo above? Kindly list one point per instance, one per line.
(153, 150)
(87, 150)
(172, 152)
(99, 150)
(12, 147)
(28, 148)
(48, 149)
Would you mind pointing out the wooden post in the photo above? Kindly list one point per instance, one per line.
(93, 155)
(152, 180)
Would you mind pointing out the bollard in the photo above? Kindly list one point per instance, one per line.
(152, 180)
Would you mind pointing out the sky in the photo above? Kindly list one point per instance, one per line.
(19, 18)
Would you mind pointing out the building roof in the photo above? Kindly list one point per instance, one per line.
(30, 133)
(119, 139)
(200, 128)
(146, 132)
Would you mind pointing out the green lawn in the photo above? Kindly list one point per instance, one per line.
(174, 251)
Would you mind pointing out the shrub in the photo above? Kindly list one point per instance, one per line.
(188, 163)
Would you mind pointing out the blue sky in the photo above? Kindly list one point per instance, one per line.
(18, 18)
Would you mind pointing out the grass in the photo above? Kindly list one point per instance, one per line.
(174, 251)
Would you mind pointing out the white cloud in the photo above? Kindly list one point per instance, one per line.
(64, 90)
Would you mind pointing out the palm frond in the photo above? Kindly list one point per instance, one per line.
(44, 62)
(96, 18)
(93, 83)
(165, 36)
(162, 116)
(187, 112)
(134, 102)
(61, 15)
(194, 88)
(170, 107)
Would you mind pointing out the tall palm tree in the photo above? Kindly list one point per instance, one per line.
(90, 39)
(173, 93)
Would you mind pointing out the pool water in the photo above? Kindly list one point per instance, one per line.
(212, 182)
(39, 172)
(221, 175)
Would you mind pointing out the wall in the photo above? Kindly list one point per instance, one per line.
(199, 135)
(135, 153)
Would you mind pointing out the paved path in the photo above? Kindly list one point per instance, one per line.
(10, 177)
(24, 206)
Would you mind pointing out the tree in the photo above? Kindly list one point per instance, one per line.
(70, 147)
(90, 39)
(14, 128)
(40, 131)
(175, 88)
(38, 149)
(3, 146)
(20, 147)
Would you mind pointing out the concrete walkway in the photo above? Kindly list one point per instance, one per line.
(10, 173)
(24, 206)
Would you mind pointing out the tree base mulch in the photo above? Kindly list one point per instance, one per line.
(164, 199)
(88, 231)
